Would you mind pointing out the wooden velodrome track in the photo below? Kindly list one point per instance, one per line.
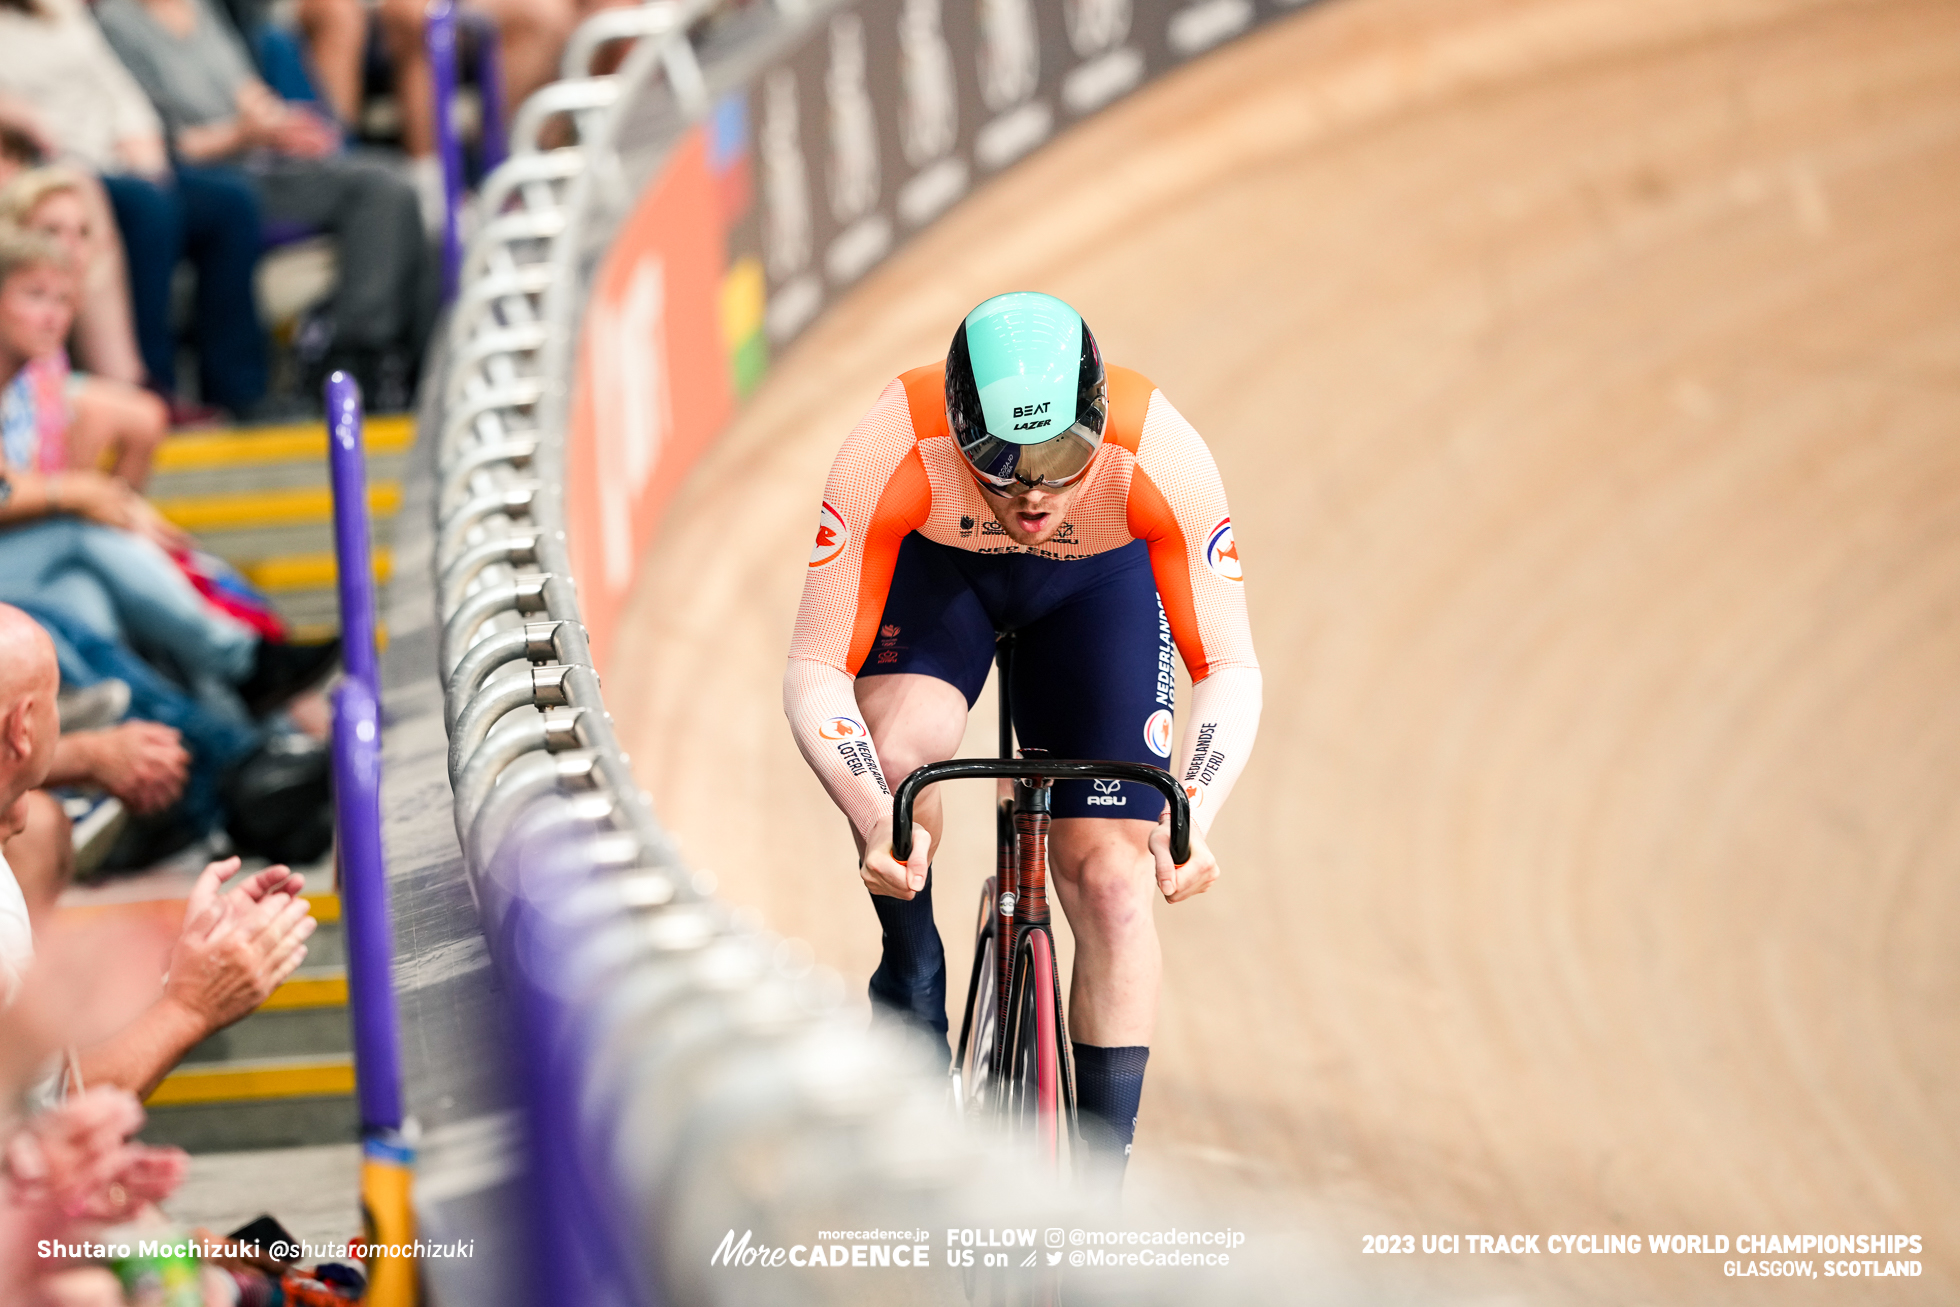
(1586, 380)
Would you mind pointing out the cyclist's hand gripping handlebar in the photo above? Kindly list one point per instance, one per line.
(1055, 770)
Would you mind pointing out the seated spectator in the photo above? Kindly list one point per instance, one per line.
(233, 949)
(85, 545)
(66, 89)
(270, 793)
(217, 111)
(70, 1167)
(324, 60)
(105, 331)
(143, 764)
(108, 420)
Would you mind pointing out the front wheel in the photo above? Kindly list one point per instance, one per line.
(1035, 1078)
(973, 1057)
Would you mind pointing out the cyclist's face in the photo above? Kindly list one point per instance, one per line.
(1033, 516)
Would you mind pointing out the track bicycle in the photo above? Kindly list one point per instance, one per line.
(1012, 1060)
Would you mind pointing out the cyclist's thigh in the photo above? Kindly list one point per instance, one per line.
(928, 662)
(1093, 678)
(933, 624)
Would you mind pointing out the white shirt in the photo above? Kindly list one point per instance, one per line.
(16, 935)
(58, 61)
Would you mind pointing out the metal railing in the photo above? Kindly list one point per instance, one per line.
(694, 1033)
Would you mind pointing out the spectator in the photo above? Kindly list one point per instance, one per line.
(85, 107)
(271, 794)
(72, 1170)
(328, 59)
(144, 764)
(85, 545)
(105, 332)
(217, 111)
(234, 948)
(107, 419)
(28, 731)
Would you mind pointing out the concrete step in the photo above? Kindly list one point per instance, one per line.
(259, 498)
(306, 1016)
(285, 1102)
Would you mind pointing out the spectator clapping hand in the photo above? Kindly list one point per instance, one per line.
(238, 946)
(76, 1162)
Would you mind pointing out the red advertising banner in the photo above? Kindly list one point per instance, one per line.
(653, 383)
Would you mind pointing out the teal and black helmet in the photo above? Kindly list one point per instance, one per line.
(1025, 394)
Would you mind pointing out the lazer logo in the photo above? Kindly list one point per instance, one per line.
(1031, 410)
(1034, 426)
(1109, 794)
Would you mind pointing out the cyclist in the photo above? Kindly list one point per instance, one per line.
(1021, 486)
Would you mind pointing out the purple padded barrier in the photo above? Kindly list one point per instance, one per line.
(347, 464)
(364, 904)
(546, 934)
(440, 36)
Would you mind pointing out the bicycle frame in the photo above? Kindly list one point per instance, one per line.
(1021, 909)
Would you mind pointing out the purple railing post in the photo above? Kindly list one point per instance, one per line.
(347, 467)
(386, 1159)
(364, 904)
(440, 36)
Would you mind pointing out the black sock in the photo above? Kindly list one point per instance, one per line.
(1108, 1088)
(911, 977)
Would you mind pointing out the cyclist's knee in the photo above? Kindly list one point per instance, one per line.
(1111, 886)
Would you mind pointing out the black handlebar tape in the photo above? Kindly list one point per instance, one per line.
(1054, 769)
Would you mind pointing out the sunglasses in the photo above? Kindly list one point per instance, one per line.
(1007, 469)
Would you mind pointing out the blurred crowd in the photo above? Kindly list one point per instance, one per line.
(151, 153)
(168, 146)
(92, 1021)
(154, 154)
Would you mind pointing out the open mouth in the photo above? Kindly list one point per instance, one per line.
(1032, 522)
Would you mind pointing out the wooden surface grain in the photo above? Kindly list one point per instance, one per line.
(1585, 377)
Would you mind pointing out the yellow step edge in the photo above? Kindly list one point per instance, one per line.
(198, 451)
(291, 506)
(285, 572)
(329, 989)
(312, 1077)
(325, 908)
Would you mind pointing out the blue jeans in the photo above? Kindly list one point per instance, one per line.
(216, 742)
(124, 589)
(211, 217)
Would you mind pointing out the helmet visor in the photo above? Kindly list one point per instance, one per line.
(1055, 464)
